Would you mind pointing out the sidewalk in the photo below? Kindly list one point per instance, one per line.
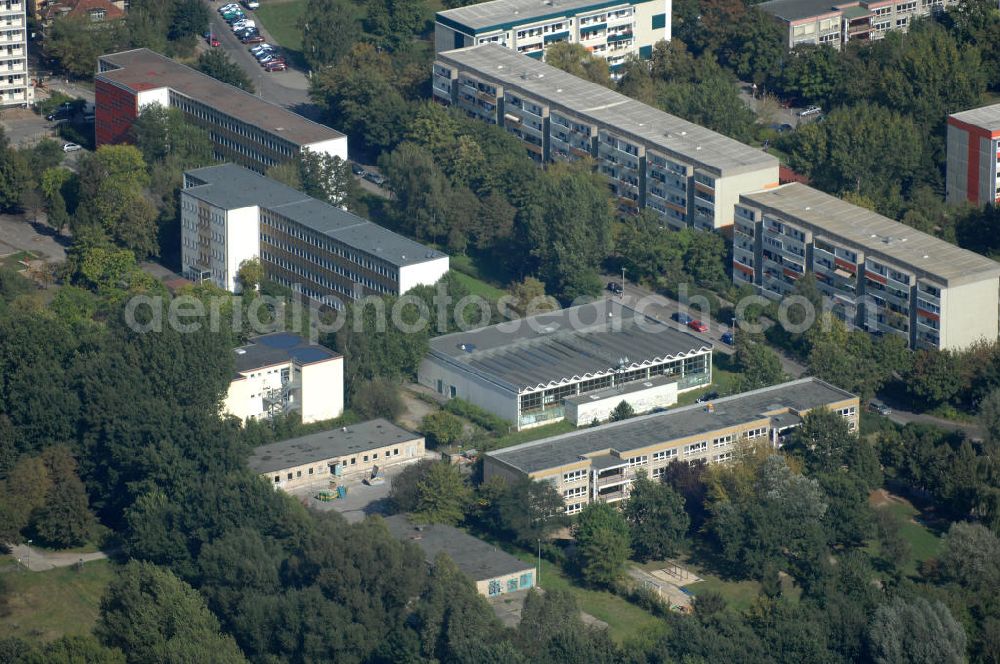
(37, 560)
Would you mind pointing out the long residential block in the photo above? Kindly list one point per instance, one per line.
(612, 30)
(974, 156)
(544, 368)
(599, 464)
(229, 214)
(16, 88)
(878, 275)
(836, 23)
(244, 128)
(690, 175)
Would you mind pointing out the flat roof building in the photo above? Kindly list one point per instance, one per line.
(835, 23)
(522, 370)
(244, 128)
(230, 214)
(612, 30)
(974, 156)
(688, 174)
(280, 373)
(494, 571)
(357, 449)
(599, 464)
(878, 274)
(16, 88)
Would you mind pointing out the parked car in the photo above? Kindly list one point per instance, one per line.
(71, 147)
(698, 326)
(243, 24)
(276, 66)
(263, 47)
(708, 396)
(615, 287)
(358, 169)
(376, 178)
(879, 408)
(812, 110)
(727, 338)
(681, 318)
(213, 41)
(228, 7)
(251, 4)
(252, 39)
(272, 59)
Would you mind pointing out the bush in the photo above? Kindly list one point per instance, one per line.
(478, 416)
(377, 398)
(441, 428)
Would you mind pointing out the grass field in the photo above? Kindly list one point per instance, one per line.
(723, 382)
(479, 287)
(924, 542)
(739, 595)
(47, 605)
(625, 620)
(281, 20)
(518, 437)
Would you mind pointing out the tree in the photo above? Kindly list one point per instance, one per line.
(153, 616)
(373, 344)
(421, 192)
(915, 631)
(442, 495)
(441, 428)
(758, 365)
(813, 74)
(527, 511)
(403, 494)
(602, 540)
(377, 398)
(13, 175)
(332, 29)
(824, 440)
(65, 520)
(989, 416)
(971, 556)
(52, 183)
(250, 275)
(934, 377)
(72, 650)
(529, 295)
(656, 518)
(76, 44)
(622, 411)
(165, 137)
(217, 64)
(577, 60)
(328, 178)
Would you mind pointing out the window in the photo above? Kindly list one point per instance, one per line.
(365, 458)
(354, 460)
(277, 478)
(574, 476)
(452, 391)
(574, 508)
(658, 472)
(395, 452)
(695, 448)
(310, 471)
(298, 473)
(637, 461)
(722, 441)
(575, 492)
(289, 476)
(663, 455)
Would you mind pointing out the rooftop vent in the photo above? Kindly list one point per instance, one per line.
(468, 348)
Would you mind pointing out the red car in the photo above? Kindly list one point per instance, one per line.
(214, 41)
(275, 66)
(698, 326)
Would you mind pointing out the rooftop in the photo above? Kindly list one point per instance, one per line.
(142, 69)
(622, 390)
(987, 117)
(875, 235)
(650, 126)
(498, 13)
(474, 557)
(278, 348)
(328, 445)
(794, 10)
(229, 187)
(565, 345)
(638, 432)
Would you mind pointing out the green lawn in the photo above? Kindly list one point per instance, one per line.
(626, 621)
(723, 382)
(527, 435)
(739, 595)
(281, 20)
(479, 287)
(47, 605)
(924, 543)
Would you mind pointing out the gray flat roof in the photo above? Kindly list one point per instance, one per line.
(794, 10)
(578, 97)
(987, 117)
(330, 444)
(270, 349)
(476, 559)
(498, 13)
(875, 235)
(229, 187)
(142, 69)
(622, 391)
(626, 435)
(568, 344)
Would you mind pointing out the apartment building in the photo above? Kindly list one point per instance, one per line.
(974, 156)
(524, 370)
(244, 128)
(836, 23)
(612, 30)
(877, 274)
(16, 88)
(279, 373)
(230, 214)
(689, 175)
(599, 464)
(354, 451)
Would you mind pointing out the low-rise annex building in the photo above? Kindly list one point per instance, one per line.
(524, 369)
(357, 450)
(279, 373)
(495, 572)
(599, 464)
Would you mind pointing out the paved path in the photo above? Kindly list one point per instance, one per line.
(18, 234)
(37, 560)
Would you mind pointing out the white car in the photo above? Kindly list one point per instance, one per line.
(242, 25)
(260, 48)
(812, 110)
(224, 8)
(71, 147)
(251, 4)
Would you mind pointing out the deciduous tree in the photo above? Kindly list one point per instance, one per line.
(656, 518)
(603, 544)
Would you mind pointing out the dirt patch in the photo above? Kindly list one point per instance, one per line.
(881, 498)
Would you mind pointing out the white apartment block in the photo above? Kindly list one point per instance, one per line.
(611, 30)
(230, 214)
(16, 88)
(876, 274)
(831, 23)
(689, 175)
(279, 373)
